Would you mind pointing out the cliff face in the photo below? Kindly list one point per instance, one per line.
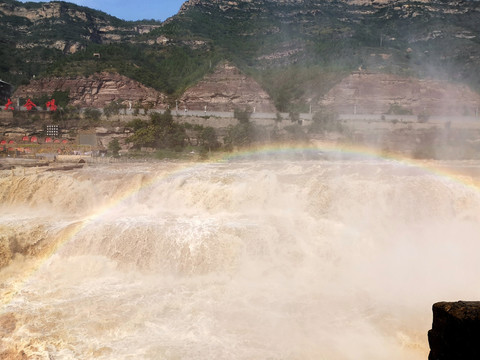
(97, 90)
(42, 12)
(455, 331)
(370, 93)
(225, 89)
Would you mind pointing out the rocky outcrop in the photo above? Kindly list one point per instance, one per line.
(225, 89)
(96, 90)
(42, 11)
(39, 24)
(373, 93)
(455, 331)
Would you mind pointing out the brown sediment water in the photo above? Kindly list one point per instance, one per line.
(264, 259)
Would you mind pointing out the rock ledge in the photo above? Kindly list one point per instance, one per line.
(455, 332)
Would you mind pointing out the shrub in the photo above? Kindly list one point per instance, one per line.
(114, 147)
(243, 116)
(397, 109)
(113, 108)
(325, 120)
(208, 139)
(423, 117)
(92, 115)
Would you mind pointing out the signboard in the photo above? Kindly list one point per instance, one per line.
(87, 139)
(52, 130)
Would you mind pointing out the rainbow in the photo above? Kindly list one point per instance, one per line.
(264, 151)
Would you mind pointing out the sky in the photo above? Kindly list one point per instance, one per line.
(133, 10)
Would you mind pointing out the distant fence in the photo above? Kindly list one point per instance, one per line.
(206, 113)
(302, 116)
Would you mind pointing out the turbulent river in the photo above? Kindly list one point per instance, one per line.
(264, 259)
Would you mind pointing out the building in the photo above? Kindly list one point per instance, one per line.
(6, 90)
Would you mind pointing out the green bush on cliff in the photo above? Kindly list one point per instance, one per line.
(92, 115)
(113, 108)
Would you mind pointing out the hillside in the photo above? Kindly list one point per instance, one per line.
(371, 93)
(297, 50)
(35, 35)
(96, 91)
(226, 89)
(312, 44)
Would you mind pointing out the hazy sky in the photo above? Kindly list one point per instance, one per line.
(133, 10)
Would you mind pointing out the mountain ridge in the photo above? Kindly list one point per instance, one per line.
(296, 50)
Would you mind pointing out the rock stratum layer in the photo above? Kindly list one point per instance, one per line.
(225, 89)
(455, 331)
(96, 90)
(373, 93)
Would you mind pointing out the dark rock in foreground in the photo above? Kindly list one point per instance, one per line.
(455, 333)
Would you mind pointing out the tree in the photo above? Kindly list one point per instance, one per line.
(241, 134)
(325, 120)
(243, 116)
(114, 147)
(208, 139)
(113, 108)
(160, 133)
(144, 137)
(62, 98)
(278, 118)
(163, 120)
(136, 124)
(294, 116)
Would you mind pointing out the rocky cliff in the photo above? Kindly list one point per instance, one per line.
(374, 93)
(225, 89)
(455, 331)
(62, 26)
(96, 90)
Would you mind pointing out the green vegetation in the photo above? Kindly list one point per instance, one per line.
(325, 120)
(61, 99)
(168, 70)
(160, 133)
(423, 117)
(114, 148)
(113, 108)
(397, 109)
(242, 116)
(240, 135)
(208, 139)
(92, 115)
